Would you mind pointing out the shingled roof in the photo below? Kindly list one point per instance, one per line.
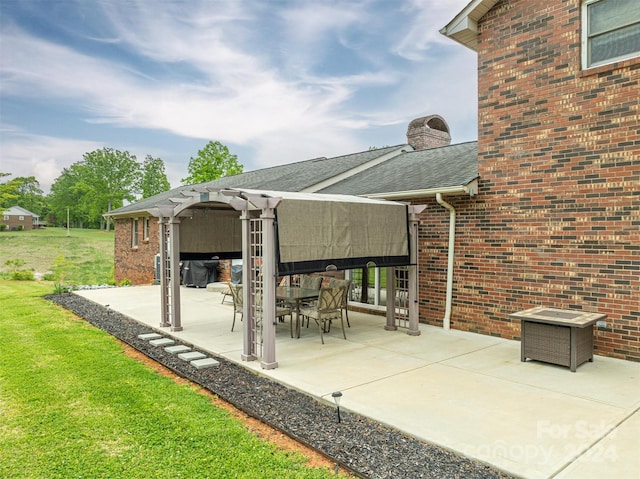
(415, 171)
(374, 172)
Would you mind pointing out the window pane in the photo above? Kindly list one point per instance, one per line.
(610, 14)
(615, 44)
(134, 233)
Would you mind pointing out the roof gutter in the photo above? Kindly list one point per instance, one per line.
(446, 320)
(470, 189)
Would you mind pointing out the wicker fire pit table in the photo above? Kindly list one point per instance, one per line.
(557, 336)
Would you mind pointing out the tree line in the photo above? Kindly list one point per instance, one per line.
(104, 180)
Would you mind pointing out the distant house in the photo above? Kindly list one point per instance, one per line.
(543, 210)
(18, 218)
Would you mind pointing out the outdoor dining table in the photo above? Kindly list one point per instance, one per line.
(294, 295)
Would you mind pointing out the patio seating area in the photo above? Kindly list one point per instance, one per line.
(467, 392)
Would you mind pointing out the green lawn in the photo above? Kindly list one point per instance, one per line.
(86, 255)
(73, 405)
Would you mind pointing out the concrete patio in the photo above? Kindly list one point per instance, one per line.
(467, 392)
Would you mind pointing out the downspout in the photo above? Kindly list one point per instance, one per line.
(446, 321)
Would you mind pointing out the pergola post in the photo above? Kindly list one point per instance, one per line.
(248, 325)
(391, 300)
(414, 311)
(174, 250)
(165, 314)
(269, 290)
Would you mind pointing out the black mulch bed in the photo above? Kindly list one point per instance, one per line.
(367, 448)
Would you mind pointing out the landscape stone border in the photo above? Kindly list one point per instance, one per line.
(359, 444)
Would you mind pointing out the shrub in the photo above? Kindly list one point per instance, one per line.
(60, 288)
(23, 275)
(18, 273)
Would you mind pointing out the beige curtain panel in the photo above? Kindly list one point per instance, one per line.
(310, 230)
(211, 231)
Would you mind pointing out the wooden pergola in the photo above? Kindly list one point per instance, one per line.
(281, 233)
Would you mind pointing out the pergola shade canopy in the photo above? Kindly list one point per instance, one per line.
(315, 234)
(313, 231)
(211, 232)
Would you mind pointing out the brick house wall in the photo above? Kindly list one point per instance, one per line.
(135, 263)
(557, 218)
(14, 222)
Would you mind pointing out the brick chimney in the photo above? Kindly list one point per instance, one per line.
(428, 132)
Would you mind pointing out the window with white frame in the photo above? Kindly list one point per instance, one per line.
(134, 233)
(610, 31)
(21, 218)
(145, 229)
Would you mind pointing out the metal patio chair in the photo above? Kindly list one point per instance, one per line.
(346, 283)
(327, 309)
(236, 294)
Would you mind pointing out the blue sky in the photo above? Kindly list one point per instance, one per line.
(275, 81)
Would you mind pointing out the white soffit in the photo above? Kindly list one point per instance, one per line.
(464, 27)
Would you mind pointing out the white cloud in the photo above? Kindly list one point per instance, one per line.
(429, 16)
(44, 157)
(251, 104)
(217, 71)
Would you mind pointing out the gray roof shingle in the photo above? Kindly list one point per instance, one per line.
(452, 165)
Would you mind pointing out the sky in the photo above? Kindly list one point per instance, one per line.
(276, 81)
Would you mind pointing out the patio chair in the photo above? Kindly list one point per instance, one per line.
(282, 310)
(236, 294)
(236, 278)
(327, 309)
(285, 281)
(310, 282)
(225, 293)
(346, 283)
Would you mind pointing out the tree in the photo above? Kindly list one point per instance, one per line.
(69, 191)
(112, 175)
(22, 191)
(153, 179)
(102, 181)
(30, 196)
(8, 192)
(213, 161)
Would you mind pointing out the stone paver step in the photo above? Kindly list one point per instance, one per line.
(205, 363)
(148, 336)
(191, 356)
(180, 348)
(162, 342)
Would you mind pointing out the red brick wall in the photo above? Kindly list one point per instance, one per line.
(135, 264)
(557, 218)
(14, 222)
